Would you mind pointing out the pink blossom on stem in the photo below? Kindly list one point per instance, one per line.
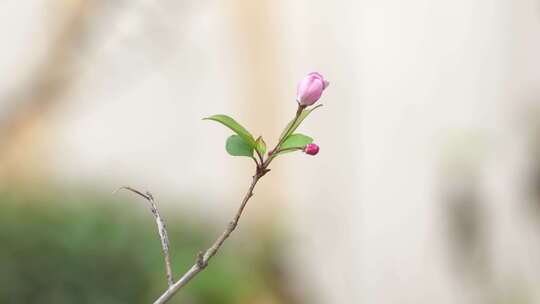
(311, 88)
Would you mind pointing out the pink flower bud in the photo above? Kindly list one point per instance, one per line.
(310, 89)
(311, 149)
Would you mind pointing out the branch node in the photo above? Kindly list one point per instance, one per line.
(200, 260)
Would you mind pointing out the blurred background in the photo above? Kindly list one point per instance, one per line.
(426, 190)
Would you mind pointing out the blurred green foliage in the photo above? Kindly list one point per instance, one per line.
(85, 249)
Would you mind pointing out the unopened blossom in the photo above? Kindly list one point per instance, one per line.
(311, 88)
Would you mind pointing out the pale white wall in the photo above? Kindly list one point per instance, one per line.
(365, 215)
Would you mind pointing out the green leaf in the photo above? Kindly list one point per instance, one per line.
(237, 146)
(235, 126)
(295, 140)
(286, 132)
(261, 146)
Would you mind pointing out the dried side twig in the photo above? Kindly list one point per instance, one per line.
(162, 230)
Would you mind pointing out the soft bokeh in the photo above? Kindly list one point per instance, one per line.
(426, 188)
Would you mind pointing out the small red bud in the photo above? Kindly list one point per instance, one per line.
(311, 149)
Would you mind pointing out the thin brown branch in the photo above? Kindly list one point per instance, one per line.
(203, 259)
(232, 225)
(162, 230)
